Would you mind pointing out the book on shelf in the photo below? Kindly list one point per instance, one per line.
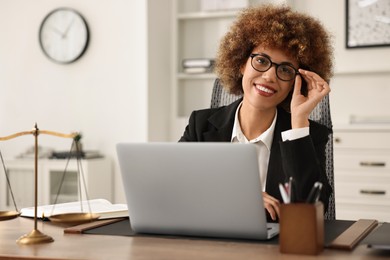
(198, 63)
(101, 207)
(196, 70)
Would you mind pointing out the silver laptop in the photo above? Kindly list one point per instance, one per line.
(194, 189)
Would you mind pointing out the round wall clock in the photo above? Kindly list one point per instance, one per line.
(64, 35)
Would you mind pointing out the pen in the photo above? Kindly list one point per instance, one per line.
(283, 192)
(291, 189)
(314, 193)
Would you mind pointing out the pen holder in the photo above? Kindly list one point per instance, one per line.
(301, 228)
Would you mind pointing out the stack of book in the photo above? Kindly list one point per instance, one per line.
(198, 65)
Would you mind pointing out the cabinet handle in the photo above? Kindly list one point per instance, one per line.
(373, 192)
(375, 164)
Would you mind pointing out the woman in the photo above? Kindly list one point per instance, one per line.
(280, 61)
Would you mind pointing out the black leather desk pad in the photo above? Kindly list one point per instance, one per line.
(332, 229)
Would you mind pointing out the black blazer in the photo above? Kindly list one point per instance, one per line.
(303, 159)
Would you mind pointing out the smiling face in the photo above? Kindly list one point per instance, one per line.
(264, 90)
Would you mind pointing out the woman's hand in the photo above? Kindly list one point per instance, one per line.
(272, 205)
(302, 106)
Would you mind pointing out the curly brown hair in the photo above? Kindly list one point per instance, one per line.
(301, 36)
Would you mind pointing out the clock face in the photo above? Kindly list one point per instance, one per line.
(64, 35)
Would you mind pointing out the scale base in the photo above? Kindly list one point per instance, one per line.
(34, 237)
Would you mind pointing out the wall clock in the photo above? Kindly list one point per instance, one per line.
(64, 35)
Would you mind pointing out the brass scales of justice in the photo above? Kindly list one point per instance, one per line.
(36, 236)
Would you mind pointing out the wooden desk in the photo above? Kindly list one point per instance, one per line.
(73, 246)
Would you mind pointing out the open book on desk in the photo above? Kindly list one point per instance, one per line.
(101, 207)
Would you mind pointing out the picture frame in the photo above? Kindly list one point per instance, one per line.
(367, 23)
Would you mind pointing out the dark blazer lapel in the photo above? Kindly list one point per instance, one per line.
(283, 123)
(222, 123)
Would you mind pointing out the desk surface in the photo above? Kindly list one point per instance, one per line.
(75, 246)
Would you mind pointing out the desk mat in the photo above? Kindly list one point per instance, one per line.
(332, 229)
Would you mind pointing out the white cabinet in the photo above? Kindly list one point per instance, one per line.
(362, 173)
(97, 176)
(197, 34)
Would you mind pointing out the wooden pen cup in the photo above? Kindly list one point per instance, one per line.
(301, 228)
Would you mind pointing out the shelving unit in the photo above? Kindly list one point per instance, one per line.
(196, 34)
(97, 176)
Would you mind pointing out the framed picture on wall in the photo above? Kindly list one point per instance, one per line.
(367, 23)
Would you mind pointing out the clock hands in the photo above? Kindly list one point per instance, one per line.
(67, 29)
(65, 33)
(57, 31)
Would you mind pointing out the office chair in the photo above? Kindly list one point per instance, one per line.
(320, 114)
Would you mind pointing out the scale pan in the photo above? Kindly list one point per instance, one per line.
(6, 215)
(73, 218)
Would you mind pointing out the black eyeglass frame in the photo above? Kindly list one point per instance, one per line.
(277, 65)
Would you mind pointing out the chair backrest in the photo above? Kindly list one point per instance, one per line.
(321, 114)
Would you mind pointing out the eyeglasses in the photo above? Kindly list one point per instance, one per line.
(284, 71)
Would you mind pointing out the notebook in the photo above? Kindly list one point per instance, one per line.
(194, 189)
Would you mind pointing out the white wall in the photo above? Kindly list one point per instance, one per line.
(104, 94)
(361, 85)
(160, 14)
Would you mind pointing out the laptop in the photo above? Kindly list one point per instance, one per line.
(194, 189)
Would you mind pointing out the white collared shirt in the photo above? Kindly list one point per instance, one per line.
(263, 142)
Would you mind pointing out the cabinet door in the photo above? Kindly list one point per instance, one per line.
(62, 181)
(21, 175)
(22, 184)
(63, 187)
(91, 179)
